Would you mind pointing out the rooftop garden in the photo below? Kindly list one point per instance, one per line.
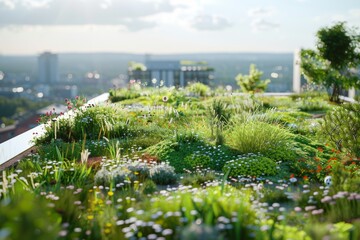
(189, 163)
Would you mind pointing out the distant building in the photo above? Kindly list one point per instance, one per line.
(48, 70)
(171, 73)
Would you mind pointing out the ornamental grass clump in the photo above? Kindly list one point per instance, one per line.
(257, 137)
(95, 122)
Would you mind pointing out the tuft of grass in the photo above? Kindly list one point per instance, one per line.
(257, 137)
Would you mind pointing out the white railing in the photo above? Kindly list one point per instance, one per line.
(21, 143)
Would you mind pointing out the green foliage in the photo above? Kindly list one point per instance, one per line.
(340, 230)
(163, 174)
(200, 231)
(122, 171)
(199, 178)
(338, 45)
(282, 154)
(311, 90)
(288, 117)
(343, 179)
(275, 230)
(148, 187)
(341, 127)
(210, 207)
(26, 216)
(251, 165)
(218, 117)
(198, 89)
(95, 123)
(252, 83)
(312, 105)
(272, 195)
(127, 170)
(176, 151)
(10, 107)
(337, 52)
(72, 151)
(120, 197)
(219, 110)
(257, 137)
(92, 122)
(117, 95)
(197, 160)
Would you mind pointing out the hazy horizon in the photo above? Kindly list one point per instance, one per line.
(154, 54)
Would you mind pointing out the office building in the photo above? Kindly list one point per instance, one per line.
(170, 73)
(48, 70)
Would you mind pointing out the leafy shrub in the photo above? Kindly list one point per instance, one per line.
(274, 195)
(342, 128)
(345, 179)
(91, 122)
(340, 230)
(258, 137)
(199, 178)
(26, 216)
(128, 170)
(200, 231)
(198, 89)
(103, 177)
(312, 105)
(282, 154)
(148, 187)
(163, 174)
(251, 165)
(287, 118)
(117, 95)
(282, 231)
(123, 171)
(198, 160)
(175, 152)
(252, 83)
(94, 122)
(187, 137)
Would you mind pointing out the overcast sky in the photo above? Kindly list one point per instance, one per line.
(167, 26)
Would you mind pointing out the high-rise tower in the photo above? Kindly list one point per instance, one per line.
(48, 70)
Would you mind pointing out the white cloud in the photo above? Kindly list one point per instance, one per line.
(80, 12)
(132, 15)
(210, 22)
(264, 25)
(31, 4)
(134, 25)
(261, 12)
(7, 4)
(352, 17)
(260, 19)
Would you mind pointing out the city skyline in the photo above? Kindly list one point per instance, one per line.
(167, 26)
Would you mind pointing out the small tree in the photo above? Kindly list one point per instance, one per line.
(333, 63)
(252, 83)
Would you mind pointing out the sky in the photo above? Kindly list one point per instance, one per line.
(167, 26)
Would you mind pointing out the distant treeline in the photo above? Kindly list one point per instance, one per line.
(14, 107)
